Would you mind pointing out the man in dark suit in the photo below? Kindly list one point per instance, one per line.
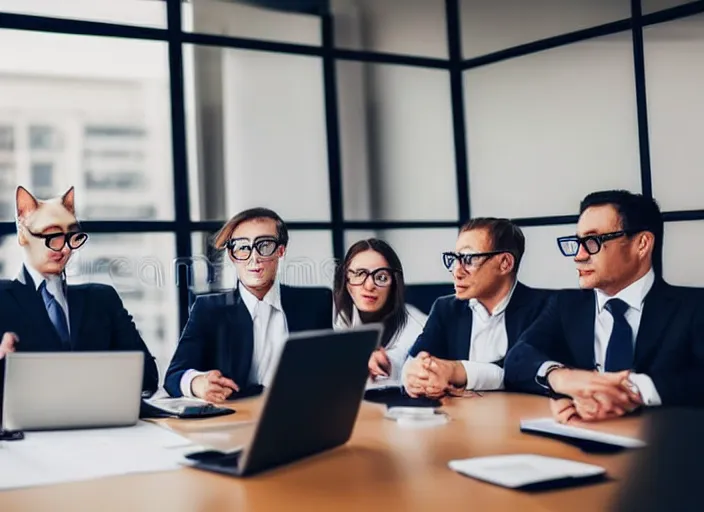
(627, 338)
(467, 335)
(39, 312)
(232, 340)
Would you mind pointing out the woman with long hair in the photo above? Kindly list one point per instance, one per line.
(369, 288)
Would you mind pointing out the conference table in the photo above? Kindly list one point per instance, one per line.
(384, 466)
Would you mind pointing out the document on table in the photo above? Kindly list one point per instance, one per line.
(45, 458)
(527, 471)
(550, 426)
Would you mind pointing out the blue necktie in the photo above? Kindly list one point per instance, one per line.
(56, 315)
(619, 353)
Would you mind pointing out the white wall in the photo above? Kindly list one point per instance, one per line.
(493, 25)
(408, 27)
(674, 53)
(545, 129)
(127, 12)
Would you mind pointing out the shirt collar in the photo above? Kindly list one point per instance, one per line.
(39, 278)
(478, 307)
(633, 294)
(272, 297)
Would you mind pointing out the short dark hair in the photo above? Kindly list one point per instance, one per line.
(225, 232)
(504, 234)
(636, 211)
(393, 314)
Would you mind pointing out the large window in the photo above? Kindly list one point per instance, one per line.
(392, 118)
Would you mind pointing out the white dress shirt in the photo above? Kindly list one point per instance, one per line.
(270, 331)
(633, 295)
(398, 346)
(54, 285)
(488, 343)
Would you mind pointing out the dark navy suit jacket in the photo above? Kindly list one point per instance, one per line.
(669, 344)
(448, 330)
(219, 333)
(97, 319)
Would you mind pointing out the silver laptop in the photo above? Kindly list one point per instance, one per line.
(311, 405)
(63, 390)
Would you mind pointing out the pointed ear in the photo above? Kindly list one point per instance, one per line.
(68, 201)
(26, 202)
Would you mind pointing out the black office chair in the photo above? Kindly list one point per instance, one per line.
(423, 296)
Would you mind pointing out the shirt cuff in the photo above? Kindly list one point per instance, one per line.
(186, 380)
(648, 392)
(540, 376)
(404, 369)
(483, 376)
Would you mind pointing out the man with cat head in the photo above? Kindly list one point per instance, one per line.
(40, 313)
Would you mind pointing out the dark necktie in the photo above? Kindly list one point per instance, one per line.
(56, 315)
(619, 353)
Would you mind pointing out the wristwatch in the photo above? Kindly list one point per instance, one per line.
(544, 382)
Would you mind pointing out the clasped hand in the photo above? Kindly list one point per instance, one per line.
(593, 396)
(432, 377)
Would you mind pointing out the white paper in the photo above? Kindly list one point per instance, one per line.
(518, 470)
(44, 458)
(550, 426)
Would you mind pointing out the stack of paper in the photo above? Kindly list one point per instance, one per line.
(44, 458)
(526, 471)
(550, 426)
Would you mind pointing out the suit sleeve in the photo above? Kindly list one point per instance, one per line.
(433, 338)
(125, 336)
(684, 386)
(542, 341)
(190, 352)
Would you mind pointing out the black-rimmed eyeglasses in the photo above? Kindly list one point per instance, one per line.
(468, 261)
(381, 277)
(241, 248)
(57, 241)
(569, 245)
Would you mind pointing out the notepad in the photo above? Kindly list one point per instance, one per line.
(589, 440)
(528, 472)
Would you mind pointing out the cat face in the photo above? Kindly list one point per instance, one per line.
(48, 230)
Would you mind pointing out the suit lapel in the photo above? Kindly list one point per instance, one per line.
(658, 309)
(463, 337)
(581, 337)
(513, 314)
(76, 304)
(32, 306)
(241, 327)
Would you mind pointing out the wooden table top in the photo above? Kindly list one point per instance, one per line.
(382, 467)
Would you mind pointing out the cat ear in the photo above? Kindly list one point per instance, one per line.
(26, 202)
(68, 201)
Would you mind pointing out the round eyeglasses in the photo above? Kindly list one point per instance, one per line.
(381, 277)
(241, 248)
(57, 241)
(468, 261)
(569, 245)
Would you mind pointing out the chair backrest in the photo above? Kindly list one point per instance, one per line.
(423, 296)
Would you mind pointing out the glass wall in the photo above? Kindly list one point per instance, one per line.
(397, 119)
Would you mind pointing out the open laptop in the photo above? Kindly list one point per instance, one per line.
(63, 390)
(311, 405)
